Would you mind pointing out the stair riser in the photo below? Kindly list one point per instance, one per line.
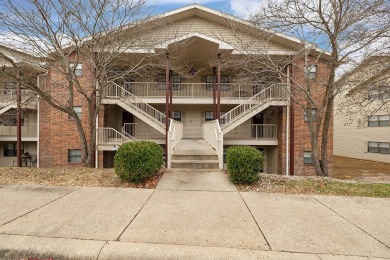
(194, 157)
(195, 165)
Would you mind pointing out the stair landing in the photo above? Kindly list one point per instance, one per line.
(194, 154)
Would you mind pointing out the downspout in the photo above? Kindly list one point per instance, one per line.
(38, 119)
(288, 126)
(96, 150)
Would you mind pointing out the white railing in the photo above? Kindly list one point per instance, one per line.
(28, 130)
(110, 136)
(175, 134)
(253, 131)
(113, 90)
(213, 135)
(274, 92)
(194, 90)
(141, 131)
(8, 96)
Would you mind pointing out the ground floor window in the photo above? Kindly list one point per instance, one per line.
(307, 157)
(379, 147)
(176, 115)
(74, 155)
(10, 149)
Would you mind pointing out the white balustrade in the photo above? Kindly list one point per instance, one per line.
(213, 135)
(175, 134)
(253, 131)
(110, 136)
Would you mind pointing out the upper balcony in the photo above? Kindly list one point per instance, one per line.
(199, 93)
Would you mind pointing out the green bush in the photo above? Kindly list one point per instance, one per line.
(138, 161)
(244, 164)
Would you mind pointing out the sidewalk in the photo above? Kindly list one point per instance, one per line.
(193, 215)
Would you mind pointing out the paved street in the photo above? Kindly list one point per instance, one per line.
(194, 215)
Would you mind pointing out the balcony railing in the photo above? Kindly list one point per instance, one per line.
(142, 131)
(8, 96)
(253, 131)
(28, 130)
(195, 90)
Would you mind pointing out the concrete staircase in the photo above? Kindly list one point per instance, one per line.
(194, 154)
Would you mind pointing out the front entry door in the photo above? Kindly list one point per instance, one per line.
(128, 118)
(256, 129)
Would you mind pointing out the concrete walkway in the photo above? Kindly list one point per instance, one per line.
(194, 215)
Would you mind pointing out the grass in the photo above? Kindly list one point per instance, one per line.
(348, 168)
(317, 186)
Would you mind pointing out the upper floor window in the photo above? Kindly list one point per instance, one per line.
(311, 72)
(13, 121)
(383, 120)
(379, 147)
(381, 92)
(176, 82)
(78, 71)
(307, 157)
(79, 112)
(210, 81)
(313, 115)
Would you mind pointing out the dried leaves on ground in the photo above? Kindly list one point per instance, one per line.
(87, 177)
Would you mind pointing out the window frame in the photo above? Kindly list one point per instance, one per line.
(308, 160)
(14, 150)
(378, 147)
(70, 156)
(223, 85)
(208, 119)
(311, 71)
(375, 121)
(313, 116)
(176, 118)
(78, 71)
(79, 114)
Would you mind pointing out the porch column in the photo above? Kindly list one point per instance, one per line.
(214, 92)
(219, 88)
(170, 93)
(18, 122)
(167, 107)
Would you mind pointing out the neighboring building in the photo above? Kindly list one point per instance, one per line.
(8, 114)
(362, 111)
(253, 112)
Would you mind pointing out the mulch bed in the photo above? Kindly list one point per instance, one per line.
(85, 177)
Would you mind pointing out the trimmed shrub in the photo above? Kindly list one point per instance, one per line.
(244, 164)
(137, 161)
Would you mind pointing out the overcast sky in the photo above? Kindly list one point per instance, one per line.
(240, 8)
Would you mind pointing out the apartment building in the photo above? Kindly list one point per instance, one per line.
(211, 83)
(362, 117)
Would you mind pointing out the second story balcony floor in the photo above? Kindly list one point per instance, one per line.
(198, 93)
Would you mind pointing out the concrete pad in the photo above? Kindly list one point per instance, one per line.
(344, 257)
(192, 179)
(370, 214)
(18, 200)
(124, 250)
(88, 213)
(23, 247)
(302, 224)
(199, 144)
(195, 218)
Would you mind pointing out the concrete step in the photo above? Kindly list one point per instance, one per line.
(197, 157)
(193, 164)
(194, 152)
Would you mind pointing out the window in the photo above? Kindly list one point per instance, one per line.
(9, 87)
(379, 120)
(224, 81)
(13, 121)
(78, 71)
(379, 147)
(307, 158)
(311, 72)
(10, 149)
(79, 112)
(208, 116)
(74, 155)
(381, 92)
(176, 115)
(176, 80)
(313, 115)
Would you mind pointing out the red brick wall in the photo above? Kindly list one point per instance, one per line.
(58, 133)
(300, 128)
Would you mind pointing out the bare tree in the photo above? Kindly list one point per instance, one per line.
(342, 31)
(67, 36)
